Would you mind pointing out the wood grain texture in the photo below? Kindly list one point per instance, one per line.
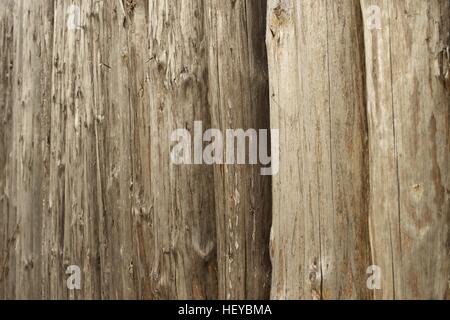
(88, 103)
(238, 95)
(184, 262)
(33, 29)
(119, 276)
(98, 190)
(408, 112)
(7, 214)
(135, 222)
(76, 203)
(319, 242)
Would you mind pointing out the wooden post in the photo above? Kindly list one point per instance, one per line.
(181, 207)
(147, 224)
(319, 242)
(76, 194)
(27, 175)
(8, 228)
(238, 95)
(408, 112)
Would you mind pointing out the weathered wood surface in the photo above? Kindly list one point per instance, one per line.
(88, 103)
(408, 113)
(319, 242)
(98, 189)
(7, 214)
(238, 95)
(184, 262)
(155, 229)
(26, 110)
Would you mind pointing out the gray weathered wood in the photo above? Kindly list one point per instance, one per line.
(408, 112)
(86, 113)
(238, 95)
(138, 226)
(7, 214)
(181, 203)
(33, 29)
(319, 242)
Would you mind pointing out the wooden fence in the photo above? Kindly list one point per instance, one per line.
(90, 92)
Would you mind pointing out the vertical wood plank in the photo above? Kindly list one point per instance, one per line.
(182, 206)
(117, 247)
(7, 214)
(319, 241)
(238, 95)
(76, 187)
(33, 29)
(408, 112)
